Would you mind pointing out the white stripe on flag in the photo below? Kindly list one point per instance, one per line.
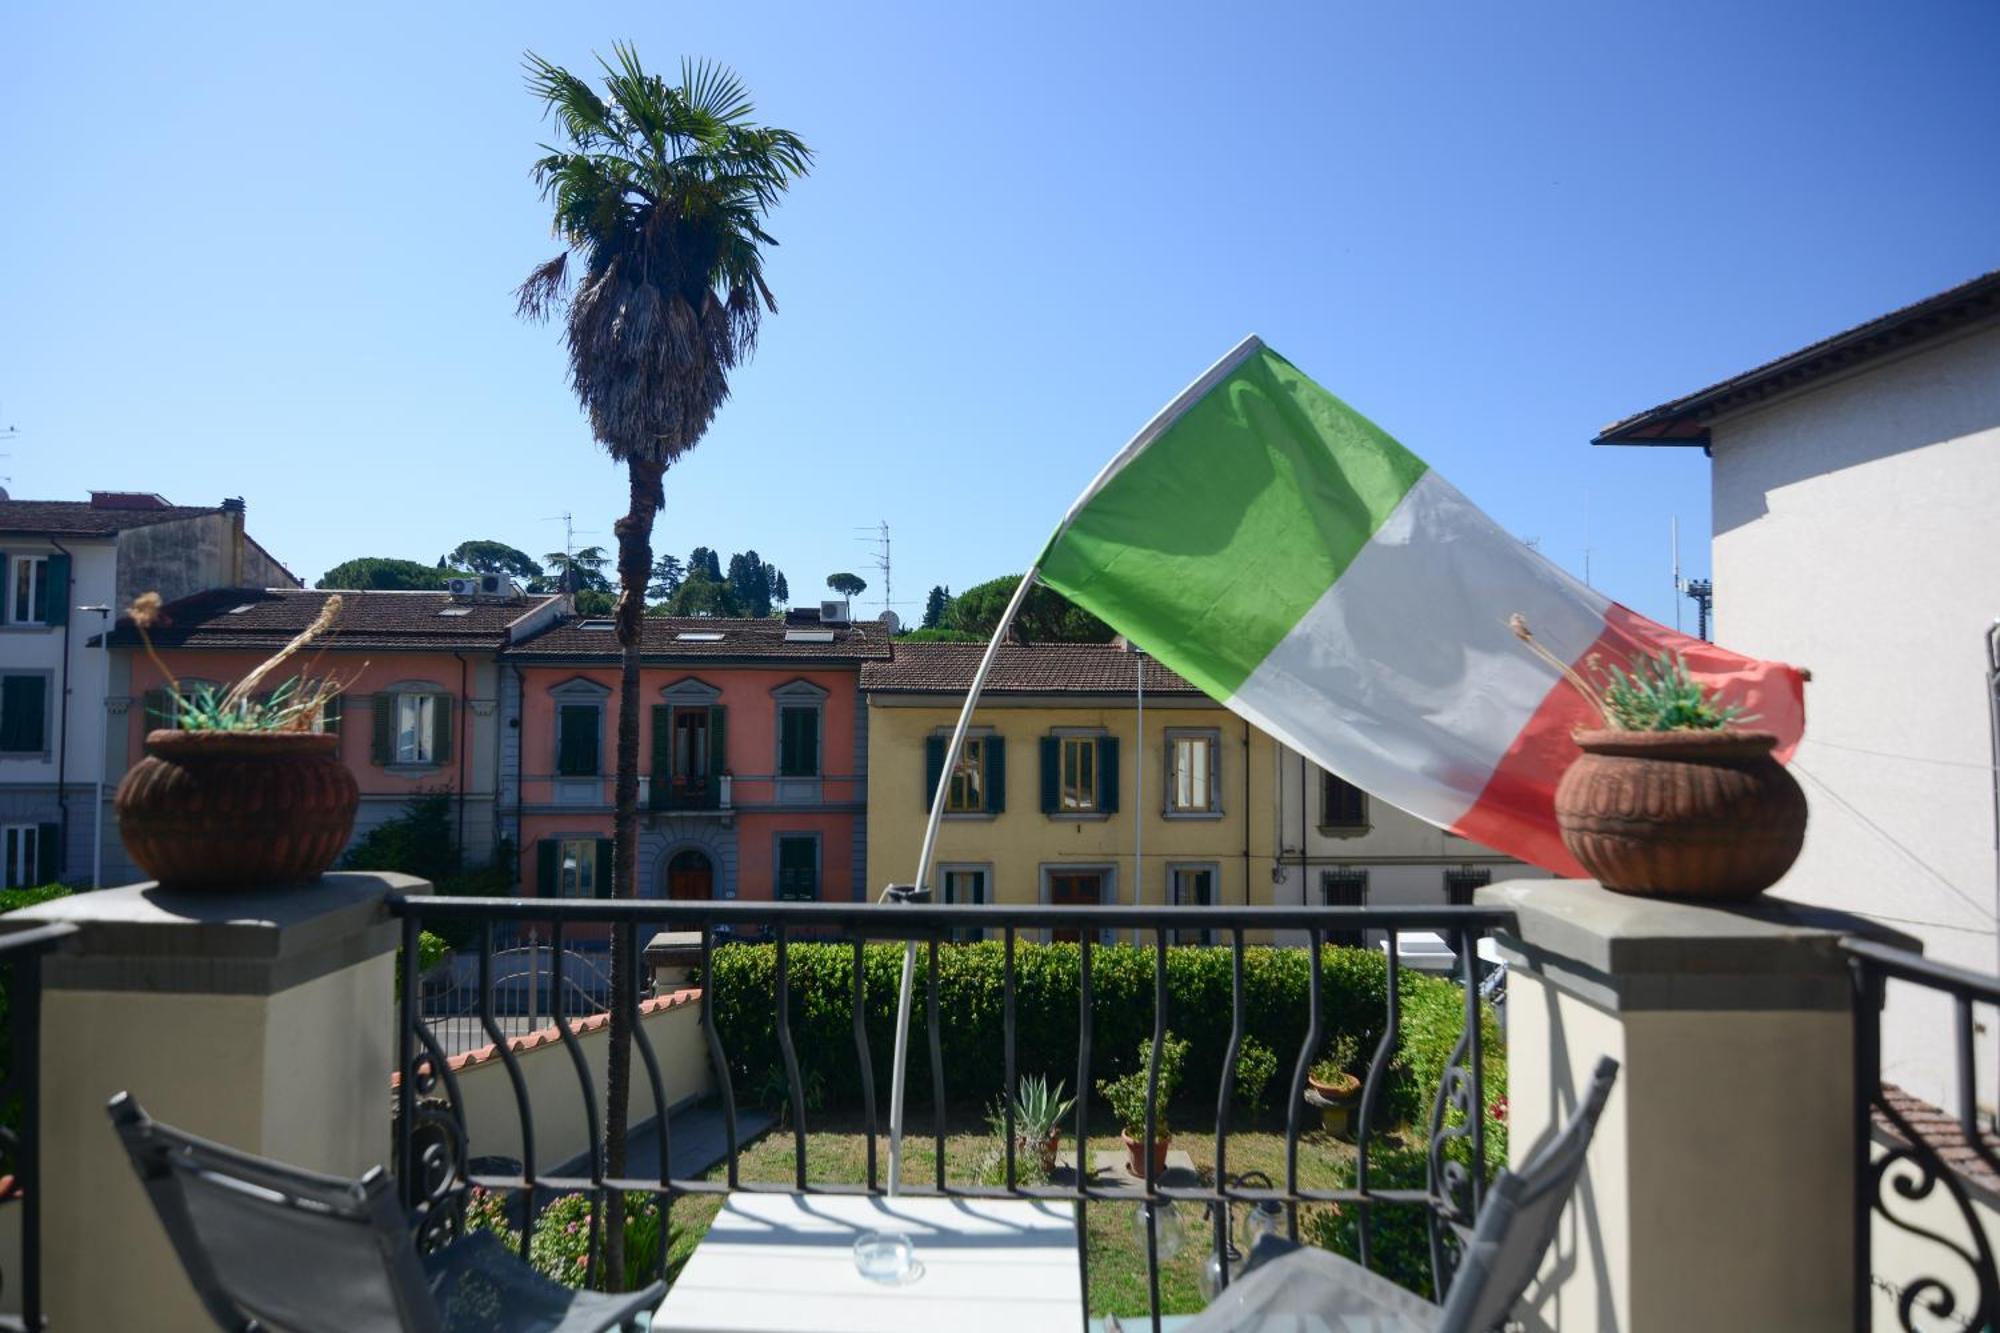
(1404, 678)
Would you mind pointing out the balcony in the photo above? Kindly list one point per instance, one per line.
(1745, 1037)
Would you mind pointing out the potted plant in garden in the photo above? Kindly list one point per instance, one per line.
(1671, 796)
(1333, 1080)
(1127, 1096)
(242, 791)
(1038, 1117)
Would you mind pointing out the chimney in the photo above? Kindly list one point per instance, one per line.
(234, 508)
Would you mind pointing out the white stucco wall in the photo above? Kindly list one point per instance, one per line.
(1855, 536)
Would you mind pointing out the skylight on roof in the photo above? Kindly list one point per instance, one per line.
(239, 610)
(699, 636)
(594, 624)
(808, 636)
(456, 611)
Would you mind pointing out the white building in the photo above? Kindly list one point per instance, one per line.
(1856, 496)
(1339, 846)
(60, 562)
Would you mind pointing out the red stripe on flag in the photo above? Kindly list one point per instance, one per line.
(1516, 812)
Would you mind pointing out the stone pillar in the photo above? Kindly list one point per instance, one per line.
(262, 1020)
(1720, 1188)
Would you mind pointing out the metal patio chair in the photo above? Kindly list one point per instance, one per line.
(1304, 1288)
(274, 1249)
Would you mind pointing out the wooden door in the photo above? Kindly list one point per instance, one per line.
(1073, 888)
(690, 876)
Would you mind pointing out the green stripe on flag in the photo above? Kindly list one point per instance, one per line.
(1211, 543)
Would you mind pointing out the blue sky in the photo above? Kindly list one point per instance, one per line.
(270, 251)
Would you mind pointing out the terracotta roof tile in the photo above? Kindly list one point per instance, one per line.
(1943, 1134)
(667, 637)
(550, 1036)
(268, 617)
(1038, 668)
(80, 518)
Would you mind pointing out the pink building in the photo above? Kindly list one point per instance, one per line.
(421, 706)
(754, 753)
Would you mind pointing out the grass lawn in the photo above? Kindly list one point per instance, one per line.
(836, 1152)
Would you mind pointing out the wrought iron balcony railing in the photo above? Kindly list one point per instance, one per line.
(432, 1135)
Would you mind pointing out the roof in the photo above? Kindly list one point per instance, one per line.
(80, 518)
(1685, 421)
(685, 637)
(372, 620)
(1033, 668)
(1944, 1135)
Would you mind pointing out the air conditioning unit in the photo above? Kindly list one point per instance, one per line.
(498, 586)
(833, 613)
(462, 589)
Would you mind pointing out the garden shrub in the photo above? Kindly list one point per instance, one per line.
(562, 1234)
(1399, 1236)
(971, 997)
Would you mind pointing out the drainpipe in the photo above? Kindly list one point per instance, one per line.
(464, 730)
(1993, 725)
(62, 746)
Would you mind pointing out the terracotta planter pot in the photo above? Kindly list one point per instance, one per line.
(1347, 1090)
(236, 810)
(1683, 814)
(1135, 1154)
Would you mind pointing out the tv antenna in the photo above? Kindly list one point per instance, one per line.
(569, 548)
(879, 539)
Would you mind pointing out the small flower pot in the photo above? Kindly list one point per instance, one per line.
(236, 810)
(1046, 1152)
(1681, 814)
(1135, 1154)
(1337, 1102)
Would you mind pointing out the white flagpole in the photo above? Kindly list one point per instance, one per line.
(951, 754)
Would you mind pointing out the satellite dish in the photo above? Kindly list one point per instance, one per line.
(891, 622)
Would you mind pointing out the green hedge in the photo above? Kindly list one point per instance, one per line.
(971, 1002)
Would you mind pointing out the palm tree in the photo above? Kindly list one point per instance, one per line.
(659, 192)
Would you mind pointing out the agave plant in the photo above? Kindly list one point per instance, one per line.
(1039, 1111)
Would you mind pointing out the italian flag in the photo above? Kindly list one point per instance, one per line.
(1284, 554)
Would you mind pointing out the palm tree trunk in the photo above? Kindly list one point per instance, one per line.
(635, 569)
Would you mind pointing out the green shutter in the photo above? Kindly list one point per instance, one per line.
(441, 729)
(577, 726)
(23, 710)
(548, 867)
(604, 870)
(384, 748)
(1051, 774)
(809, 743)
(718, 751)
(55, 587)
(1107, 774)
(330, 713)
(663, 745)
(996, 774)
(796, 869)
(798, 743)
(48, 853)
(156, 711)
(933, 768)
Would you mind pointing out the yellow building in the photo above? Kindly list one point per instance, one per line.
(1059, 798)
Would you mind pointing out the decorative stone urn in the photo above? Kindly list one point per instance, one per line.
(236, 809)
(1682, 814)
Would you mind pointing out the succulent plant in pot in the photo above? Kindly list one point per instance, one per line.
(1673, 796)
(1127, 1095)
(1038, 1115)
(242, 791)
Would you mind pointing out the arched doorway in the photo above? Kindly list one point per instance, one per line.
(690, 875)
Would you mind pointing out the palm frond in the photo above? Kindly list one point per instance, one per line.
(538, 297)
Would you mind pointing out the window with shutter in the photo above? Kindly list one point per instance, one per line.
(1079, 786)
(1191, 785)
(1192, 886)
(28, 590)
(329, 716)
(798, 744)
(577, 730)
(577, 868)
(1342, 805)
(967, 792)
(22, 846)
(798, 867)
(24, 707)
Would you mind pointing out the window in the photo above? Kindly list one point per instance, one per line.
(798, 867)
(1192, 886)
(573, 867)
(967, 795)
(1191, 772)
(416, 728)
(328, 721)
(1344, 886)
(1342, 805)
(28, 591)
(579, 868)
(413, 727)
(577, 731)
(798, 742)
(690, 748)
(24, 706)
(1459, 884)
(30, 852)
(965, 884)
(1079, 773)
